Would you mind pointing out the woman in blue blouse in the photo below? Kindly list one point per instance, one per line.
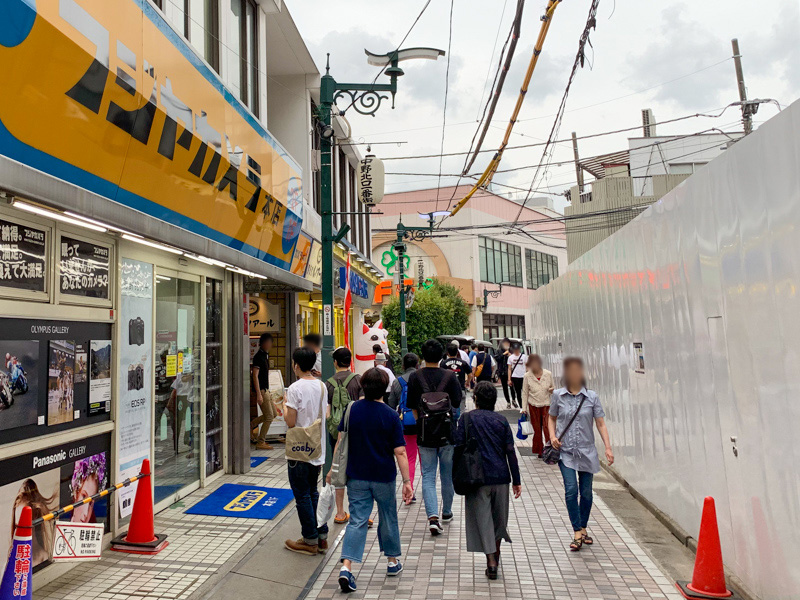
(486, 509)
(579, 461)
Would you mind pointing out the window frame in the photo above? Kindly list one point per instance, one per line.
(500, 262)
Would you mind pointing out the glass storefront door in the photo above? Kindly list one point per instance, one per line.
(178, 385)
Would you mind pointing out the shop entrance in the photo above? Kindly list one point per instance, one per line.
(178, 384)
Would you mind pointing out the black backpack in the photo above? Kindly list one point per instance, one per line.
(435, 423)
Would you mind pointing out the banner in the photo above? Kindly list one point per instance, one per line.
(135, 385)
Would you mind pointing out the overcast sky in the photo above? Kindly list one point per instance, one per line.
(672, 56)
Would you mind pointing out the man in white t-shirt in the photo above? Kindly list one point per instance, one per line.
(380, 363)
(517, 365)
(305, 398)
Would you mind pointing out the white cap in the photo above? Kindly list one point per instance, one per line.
(380, 357)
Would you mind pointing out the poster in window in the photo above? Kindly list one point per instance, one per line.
(84, 268)
(23, 251)
(99, 377)
(48, 479)
(81, 363)
(19, 383)
(638, 357)
(60, 382)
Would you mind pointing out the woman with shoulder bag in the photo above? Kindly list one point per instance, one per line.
(537, 386)
(574, 412)
(486, 506)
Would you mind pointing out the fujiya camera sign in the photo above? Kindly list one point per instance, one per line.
(370, 180)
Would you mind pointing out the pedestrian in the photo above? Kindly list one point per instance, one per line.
(516, 373)
(306, 402)
(380, 364)
(462, 351)
(579, 461)
(260, 381)
(483, 365)
(460, 368)
(433, 393)
(376, 349)
(473, 350)
(375, 442)
(503, 352)
(398, 400)
(537, 388)
(486, 508)
(344, 387)
(314, 342)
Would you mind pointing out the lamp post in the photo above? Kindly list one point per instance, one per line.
(364, 98)
(493, 293)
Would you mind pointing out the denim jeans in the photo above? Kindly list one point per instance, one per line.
(575, 482)
(429, 458)
(303, 479)
(361, 495)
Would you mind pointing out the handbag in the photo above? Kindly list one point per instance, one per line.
(551, 455)
(304, 444)
(521, 434)
(339, 464)
(325, 505)
(525, 426)
(467, 464)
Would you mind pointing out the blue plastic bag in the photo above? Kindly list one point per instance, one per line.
(520, 421)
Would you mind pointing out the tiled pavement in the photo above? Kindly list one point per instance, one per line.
(199, 547)
(538, 565)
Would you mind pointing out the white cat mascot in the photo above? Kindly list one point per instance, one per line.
(364, 356)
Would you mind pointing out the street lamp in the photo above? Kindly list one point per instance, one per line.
(365, 99)
(493, 293)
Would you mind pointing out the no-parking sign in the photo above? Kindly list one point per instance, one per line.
(78, 541)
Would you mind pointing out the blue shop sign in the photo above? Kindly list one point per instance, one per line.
(358, 285)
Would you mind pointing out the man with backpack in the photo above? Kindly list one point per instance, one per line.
(483, 365)
(433, 394)
(398, 400)
(343, 387)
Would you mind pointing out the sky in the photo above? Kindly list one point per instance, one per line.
(673, 56)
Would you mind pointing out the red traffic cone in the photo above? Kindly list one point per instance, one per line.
(708, 579)
(141, 537)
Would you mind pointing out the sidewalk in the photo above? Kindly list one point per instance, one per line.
(200, 547)
(538, 565)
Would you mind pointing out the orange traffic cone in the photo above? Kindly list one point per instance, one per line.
(141, 537)
(16, 580)
(708, 579)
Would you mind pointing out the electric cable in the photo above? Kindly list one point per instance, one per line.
(446, 91)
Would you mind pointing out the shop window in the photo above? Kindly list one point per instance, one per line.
(500, 326)
(500, 262)
(213, 376)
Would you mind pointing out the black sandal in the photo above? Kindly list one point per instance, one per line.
(587, 539)
(576, 544)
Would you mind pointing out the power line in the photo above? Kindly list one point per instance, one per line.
(446, 90)
(491, 58)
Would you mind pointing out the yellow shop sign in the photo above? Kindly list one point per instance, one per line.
(105, 95)
(245, 501)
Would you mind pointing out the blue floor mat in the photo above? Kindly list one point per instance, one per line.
(257, 460)
(243, 501)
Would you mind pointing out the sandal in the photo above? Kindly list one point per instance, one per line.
(576, 544)
(339, 521)
(587, 539)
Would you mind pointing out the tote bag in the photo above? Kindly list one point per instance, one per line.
(339, 464)
(305, 443)
(467, 464)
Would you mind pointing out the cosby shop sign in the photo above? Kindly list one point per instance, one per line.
(22, 257)
(76, 542)
(83, 269)
(370, 180)
(358, 285)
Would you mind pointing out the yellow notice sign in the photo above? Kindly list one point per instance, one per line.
(172, 365)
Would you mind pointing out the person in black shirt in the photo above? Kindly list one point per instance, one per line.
(429, 379)
(461, 369)
(502, 368)
(260, 379)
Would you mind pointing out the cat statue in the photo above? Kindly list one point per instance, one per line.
(364, 356)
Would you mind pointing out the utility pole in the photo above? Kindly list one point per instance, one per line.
(364, 98)
(578, 170)
(747, 112)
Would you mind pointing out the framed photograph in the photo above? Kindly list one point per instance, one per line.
(19, 383)
(61, 382)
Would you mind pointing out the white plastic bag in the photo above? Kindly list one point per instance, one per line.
(527, 428)
(325, 505)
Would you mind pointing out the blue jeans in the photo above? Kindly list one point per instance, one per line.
(303, 479)
(428, 460)
(361, 495)
(575, 482)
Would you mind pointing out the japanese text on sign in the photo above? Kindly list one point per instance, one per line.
(22, 257)
(75, 542)
(84, 268)
(370, 180)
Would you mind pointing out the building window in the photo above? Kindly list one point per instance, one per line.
(500, 262)
(500, 326)
(541, 268)
(243, 67)
(204, 29)
(684, 168)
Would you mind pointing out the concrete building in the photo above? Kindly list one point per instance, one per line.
(628, 181)
(476, 251)
(687, 320)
